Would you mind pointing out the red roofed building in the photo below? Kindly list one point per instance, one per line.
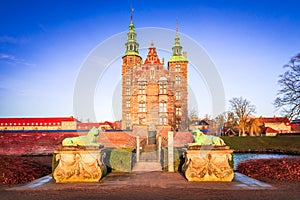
(270, 132)
(279, 124)
(38, 123)
(102, 125)
(295, 125)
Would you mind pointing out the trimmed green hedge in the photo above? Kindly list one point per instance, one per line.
(178, 158)
(119, 159)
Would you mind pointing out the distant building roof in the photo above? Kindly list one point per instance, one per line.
(202, 122)
(29, 120)
(270, 130)
(274, 119)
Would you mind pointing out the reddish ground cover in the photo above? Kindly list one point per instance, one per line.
(283, 169)
(19, 169)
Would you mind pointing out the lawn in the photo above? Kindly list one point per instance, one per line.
(278, 144)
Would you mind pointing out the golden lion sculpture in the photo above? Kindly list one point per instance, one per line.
(91, 139)
(201, 139)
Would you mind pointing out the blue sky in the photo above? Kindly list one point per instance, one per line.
(43, 45)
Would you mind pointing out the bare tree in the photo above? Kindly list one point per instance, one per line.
(241, 108)
(226, 120)
(288, 97)
(254, 126)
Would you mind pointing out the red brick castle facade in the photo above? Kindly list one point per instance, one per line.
(154, 95)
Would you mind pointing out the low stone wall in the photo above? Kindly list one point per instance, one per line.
(44, 143)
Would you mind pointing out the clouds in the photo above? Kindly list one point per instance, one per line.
(12, 60)
(6, 57)
(13, 40)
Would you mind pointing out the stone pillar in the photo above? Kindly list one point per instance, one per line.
(78, 164)
(170, 152)
(159, 148)
(137, 148)
(208, 163)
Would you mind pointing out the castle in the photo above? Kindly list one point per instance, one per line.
(154, 95)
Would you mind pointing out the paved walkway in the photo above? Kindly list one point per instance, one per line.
(150, 179)
(152, 185)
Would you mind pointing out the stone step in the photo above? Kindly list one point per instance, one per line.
(147, 167)
(149, 148)
(149, 156)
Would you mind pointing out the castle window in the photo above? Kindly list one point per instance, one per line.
(178, 80)
(127, 116)
(142, 107)
(163, 120)
(177, 69)
(127, 91)
(162, 107)
(178, 95)
(127, 126)
(128, 81)
(178, 111)
(130, 59)
(152, 72)
(163, 88)
(128, 104)
(142, 88)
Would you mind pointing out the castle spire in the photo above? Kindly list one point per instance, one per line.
(132, 46)
(177, 48)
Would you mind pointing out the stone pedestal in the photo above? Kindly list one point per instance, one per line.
(208, 163)
(78, 164)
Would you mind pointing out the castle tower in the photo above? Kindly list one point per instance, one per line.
(131, 60)
(178, 71)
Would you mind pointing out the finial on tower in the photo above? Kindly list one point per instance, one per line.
(131, 13)
(176, 25)
(152, 43)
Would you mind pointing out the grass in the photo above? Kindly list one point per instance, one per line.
(279, 144)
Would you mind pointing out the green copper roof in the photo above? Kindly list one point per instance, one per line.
(132, 53)
(132, 46)
(177, 59)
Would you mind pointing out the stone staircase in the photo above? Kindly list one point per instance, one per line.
(148, 160)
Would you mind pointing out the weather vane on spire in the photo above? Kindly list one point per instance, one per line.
(131, 13)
